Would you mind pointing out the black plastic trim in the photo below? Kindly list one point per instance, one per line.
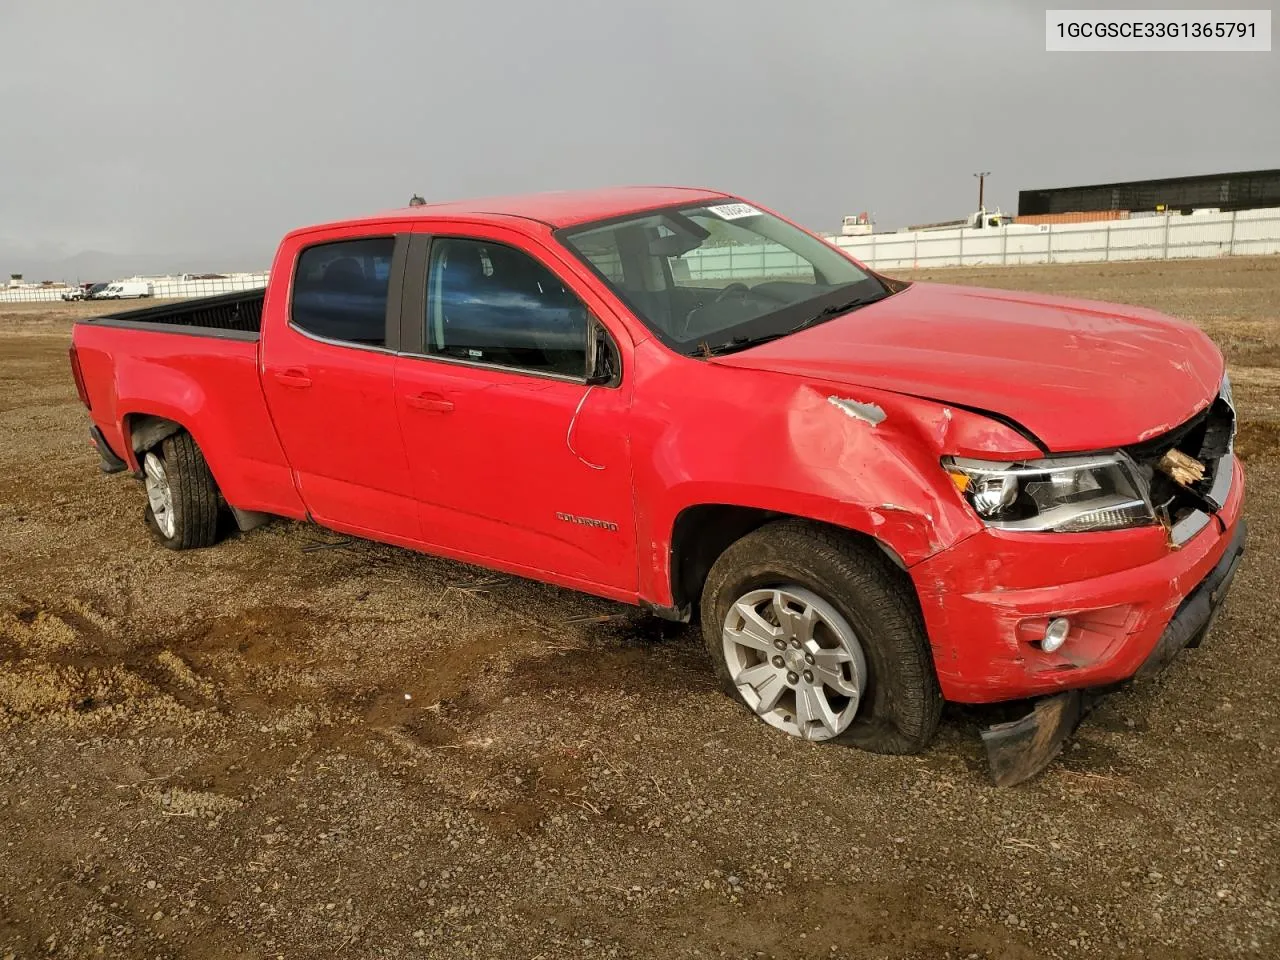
(247, 336)
(110, 462)
(395, 291)
(680, 614)
(1198, 610)
(236, 316)
(413, 303)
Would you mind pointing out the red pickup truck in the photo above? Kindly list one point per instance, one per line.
(874, 495)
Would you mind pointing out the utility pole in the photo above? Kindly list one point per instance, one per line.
(982, 179)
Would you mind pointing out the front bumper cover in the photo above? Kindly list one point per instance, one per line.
(1020, 749)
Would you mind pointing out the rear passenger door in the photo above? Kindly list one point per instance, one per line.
(516, 460)
(328, 375)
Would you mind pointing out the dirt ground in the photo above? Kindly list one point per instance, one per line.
(293, 745)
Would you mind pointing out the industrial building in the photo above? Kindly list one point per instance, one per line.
(1221, 191)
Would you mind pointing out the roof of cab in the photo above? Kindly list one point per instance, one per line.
(560, 208)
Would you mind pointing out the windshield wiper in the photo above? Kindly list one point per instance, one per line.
(826, 313)
(835, 310)
(736, 344)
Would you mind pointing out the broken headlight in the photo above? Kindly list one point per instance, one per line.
(1059, 494)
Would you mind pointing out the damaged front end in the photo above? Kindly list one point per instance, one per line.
(1188, 469)
(1020, 749)
(1184, 476)
(1177, 479)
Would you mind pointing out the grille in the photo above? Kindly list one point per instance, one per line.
(1207, 437)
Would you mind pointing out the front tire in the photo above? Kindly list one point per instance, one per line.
(182, 499)
(820, 636)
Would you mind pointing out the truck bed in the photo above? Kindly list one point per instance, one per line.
(235, 316)
(194, 363)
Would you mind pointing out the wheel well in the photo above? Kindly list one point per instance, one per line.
(704, 532)
(145, 430)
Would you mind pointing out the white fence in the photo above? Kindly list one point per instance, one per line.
(1138, 238)
(741, 260)
(162, 288)
(175, 287)
(1242, 233)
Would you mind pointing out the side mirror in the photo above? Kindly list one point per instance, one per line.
(603, 363)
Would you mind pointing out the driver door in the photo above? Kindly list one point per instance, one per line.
(516, 460)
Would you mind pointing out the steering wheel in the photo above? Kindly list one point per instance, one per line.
(737, 287)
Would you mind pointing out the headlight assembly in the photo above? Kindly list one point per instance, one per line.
(1058, 494)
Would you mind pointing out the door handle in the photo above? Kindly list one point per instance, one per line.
(429, 401)
(293, 377)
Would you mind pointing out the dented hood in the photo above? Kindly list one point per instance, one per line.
(1079, 375)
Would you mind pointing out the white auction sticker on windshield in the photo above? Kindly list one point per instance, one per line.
(734, 211)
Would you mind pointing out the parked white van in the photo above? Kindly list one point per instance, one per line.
(127, 290)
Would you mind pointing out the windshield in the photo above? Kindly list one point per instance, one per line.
(723, 275)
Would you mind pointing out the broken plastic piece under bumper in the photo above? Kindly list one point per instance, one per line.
(1020, 749)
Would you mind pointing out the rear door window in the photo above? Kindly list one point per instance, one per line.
(492, 304)
(340, 290)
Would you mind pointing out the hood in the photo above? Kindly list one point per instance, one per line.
(1078, 374)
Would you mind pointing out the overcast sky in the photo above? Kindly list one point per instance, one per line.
(198, 132)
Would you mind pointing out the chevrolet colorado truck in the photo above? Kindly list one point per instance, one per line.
(873, 495)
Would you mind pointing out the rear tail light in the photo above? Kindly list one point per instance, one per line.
(78, 377)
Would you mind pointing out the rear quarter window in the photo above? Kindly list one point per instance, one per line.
(340, 290)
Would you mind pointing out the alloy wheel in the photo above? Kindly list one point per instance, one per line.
(796, 661)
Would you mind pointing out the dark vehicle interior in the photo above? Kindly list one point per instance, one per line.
(340, 290)
(493, 304)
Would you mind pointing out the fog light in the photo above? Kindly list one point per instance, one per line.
(1055, 635)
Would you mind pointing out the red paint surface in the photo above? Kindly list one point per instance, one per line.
(975, 595)
(1080, 375)
(476, 463)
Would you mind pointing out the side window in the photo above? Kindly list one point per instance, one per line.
(340, 290)
(493, 304)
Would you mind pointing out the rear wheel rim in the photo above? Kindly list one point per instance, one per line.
(159, 494)
(795, 660)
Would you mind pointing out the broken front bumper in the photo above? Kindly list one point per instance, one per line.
(988, 600)
(1019, 750)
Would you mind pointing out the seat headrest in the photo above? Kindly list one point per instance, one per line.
(345, 270)
(464, 265)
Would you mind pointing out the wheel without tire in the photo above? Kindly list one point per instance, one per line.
(182, 500)
(819, 636)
